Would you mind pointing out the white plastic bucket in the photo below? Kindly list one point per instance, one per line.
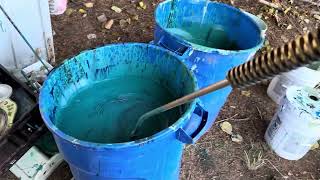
(300, 77)
(296, 125)
(57, 7)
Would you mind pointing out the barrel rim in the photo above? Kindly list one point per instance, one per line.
(100, 146)
(222, 51)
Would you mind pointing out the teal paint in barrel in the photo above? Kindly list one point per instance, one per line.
(92, 101)
(211, 38)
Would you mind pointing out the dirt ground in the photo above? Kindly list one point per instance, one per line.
(215, 156)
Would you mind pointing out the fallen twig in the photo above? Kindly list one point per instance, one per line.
(260, 114)
(311, 2)
(274, 167)
(273, 5)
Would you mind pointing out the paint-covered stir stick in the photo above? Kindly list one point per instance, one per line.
(302, 51)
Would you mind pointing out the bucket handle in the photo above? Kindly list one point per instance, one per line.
(187, 137)
(182, 51)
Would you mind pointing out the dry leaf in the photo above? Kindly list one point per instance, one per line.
(142, 5)
(82, 11)
(109, 24)
(89, 5)
(226, 127)
(116, 9)
(287, 10)
(246, 93)
(69, 11)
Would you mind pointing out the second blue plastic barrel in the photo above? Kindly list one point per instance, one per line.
(185, 26)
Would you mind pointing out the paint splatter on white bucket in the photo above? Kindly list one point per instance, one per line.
(296, 125)
(300, 77)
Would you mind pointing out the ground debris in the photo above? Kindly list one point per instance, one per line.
(102, 18)
(246, 93)
(116, 9)
(316, 16)
(82, 11)
(236, 138)
(135, 17)
(289, 27)
(142, 5)
(88, 4)
(226, 127)
(69, 11)
(91, 36)
(108, 24)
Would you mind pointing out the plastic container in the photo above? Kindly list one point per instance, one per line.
(300, 77)
(57, 7)
(155, 157)
(209, 64)
(296, 125)
(27, 125)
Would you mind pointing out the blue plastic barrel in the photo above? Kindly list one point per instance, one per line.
(157, 156)
(211, 37)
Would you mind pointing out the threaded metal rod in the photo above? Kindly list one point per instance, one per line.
(301, 51)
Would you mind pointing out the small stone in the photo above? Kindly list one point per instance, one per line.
(305, 29)
(236, 138)
(233, 107)
(316, 16)
(142, 5)
(290, 173)
(128, 21)
(82, 11)
(307, 21)
(69, 11)
(289, 27)
(109, 24)
(91, 36)
(122, 23)
(304, 172)
(84, 15)
(102, 18)
(116, 9)
(89, 4)
(226, 127)
(135, 17)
